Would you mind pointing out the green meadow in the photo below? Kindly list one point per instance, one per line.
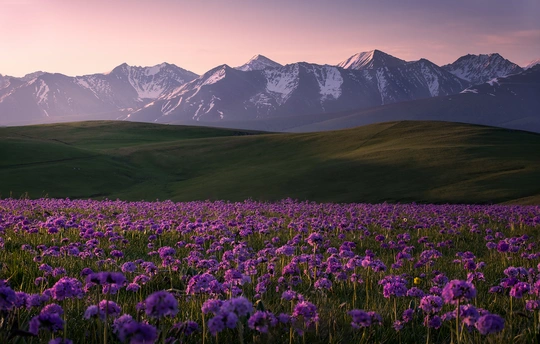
(426, 162)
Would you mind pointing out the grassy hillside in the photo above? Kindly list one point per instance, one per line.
(397, 162)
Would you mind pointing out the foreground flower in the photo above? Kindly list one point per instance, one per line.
(111, 308)
(221, 321)
(457, 291)
(48, 321)
(129, 330)
(431, 304)
(239, 305)
(60, 340)
(261, 321)
(106, 278)
(307, 311)
(489, 323)
(360, 318)
(7, 298)
(67, 288)
(160, 304)
(187, 328)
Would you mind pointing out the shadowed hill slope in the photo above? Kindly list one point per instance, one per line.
(436, 162)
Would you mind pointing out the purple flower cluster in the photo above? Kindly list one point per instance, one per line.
(361, 318)
(261, 321)
(130, 331)
(226, 313)
(300, 258)
(48, 319)
(160, 304)
(306, 312)
(457, 291)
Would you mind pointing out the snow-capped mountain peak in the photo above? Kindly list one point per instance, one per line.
(532, 63)
(258, 62)
(370, 60)
(478, 69)
(152, 82)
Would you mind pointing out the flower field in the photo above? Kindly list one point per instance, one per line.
(286, 272)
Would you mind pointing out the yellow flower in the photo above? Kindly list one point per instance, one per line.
(417, 280)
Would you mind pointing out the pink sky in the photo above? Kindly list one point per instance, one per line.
(81, 37)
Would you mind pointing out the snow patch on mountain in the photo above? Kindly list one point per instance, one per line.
(470, 90)
(330, 80)
(42, 94)
(381, 84)
(217, 76)
(99, 86)
(431, 79)
(150, 71)
(493, 81)
(168, 107)
(282, 82)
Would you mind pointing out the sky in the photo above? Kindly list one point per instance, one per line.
(77, 37)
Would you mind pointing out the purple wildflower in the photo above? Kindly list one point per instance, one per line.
(93, 312)
(52, 308)
(67, 288)
(161, 303)
(60, 340)
(239, 305)
(489, 323)
(431, 304)
(323, 283)
(315, 239)
(111, 308)
(360, 318)
(457, 291)
(433, 321)
(105, 278)
(128, 267)
(134, 287)
(261, 321)
(166, 252)
(396, 288)
(7, 298)
(519, 289)
(48, 321)
(307, 311)
(187, 327)
(532, 305)
(211, 306)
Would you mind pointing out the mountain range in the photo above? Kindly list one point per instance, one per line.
(263, 94)
(44, 97)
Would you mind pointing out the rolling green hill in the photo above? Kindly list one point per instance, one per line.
(397, 162)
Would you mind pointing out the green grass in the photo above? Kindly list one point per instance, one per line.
(434, 162)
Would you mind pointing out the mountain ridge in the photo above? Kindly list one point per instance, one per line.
(480, 68)
(296, 89)
(260, 89)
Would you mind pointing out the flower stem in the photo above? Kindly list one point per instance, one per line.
(458, 335)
